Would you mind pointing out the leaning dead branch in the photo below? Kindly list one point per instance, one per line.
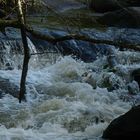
(21, 19)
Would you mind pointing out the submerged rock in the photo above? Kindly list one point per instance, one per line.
(110, 81)
(74, 48)
(126, 126)
(89, 78)
(136, 75)
(133, 88)
(6, 87)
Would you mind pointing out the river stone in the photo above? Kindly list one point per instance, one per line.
(8, 87)
(126, 126)
(133, 88)
(89, 78)
(136, 75)
(74, 48)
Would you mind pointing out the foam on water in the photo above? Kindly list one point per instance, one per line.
(63, 103)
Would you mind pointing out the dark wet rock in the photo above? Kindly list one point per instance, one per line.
(126, 126)
(111, 5)
(1, 94)
(136, 75)
(111, 58)
(85, 51)
(133, 88)
(110, 81)
(89, 78)
(7, 87)
(127, 17)
(104, 5)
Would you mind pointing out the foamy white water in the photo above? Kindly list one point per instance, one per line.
(67, 100)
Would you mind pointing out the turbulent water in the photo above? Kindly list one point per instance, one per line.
(67, 99)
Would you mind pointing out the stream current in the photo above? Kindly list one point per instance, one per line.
(67, 99)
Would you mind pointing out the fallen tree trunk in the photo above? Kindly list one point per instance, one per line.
(39, 35)
(53, 40)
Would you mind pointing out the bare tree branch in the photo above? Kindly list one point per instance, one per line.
(39, 35)
(53, 40)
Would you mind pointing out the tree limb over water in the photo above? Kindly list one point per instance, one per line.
(120, 44)
(39, 35)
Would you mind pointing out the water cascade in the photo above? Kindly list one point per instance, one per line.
(67, 99)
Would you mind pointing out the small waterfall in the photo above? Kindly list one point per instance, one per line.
(68, 99)
(11, 53)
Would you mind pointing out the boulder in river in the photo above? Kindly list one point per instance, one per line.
(126, 126)
(136, 75)
(7, 87)
(133, 88)
(127, 17)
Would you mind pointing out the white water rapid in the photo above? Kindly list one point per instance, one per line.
(68, 99)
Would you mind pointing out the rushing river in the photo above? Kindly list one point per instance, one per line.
(67, 99)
